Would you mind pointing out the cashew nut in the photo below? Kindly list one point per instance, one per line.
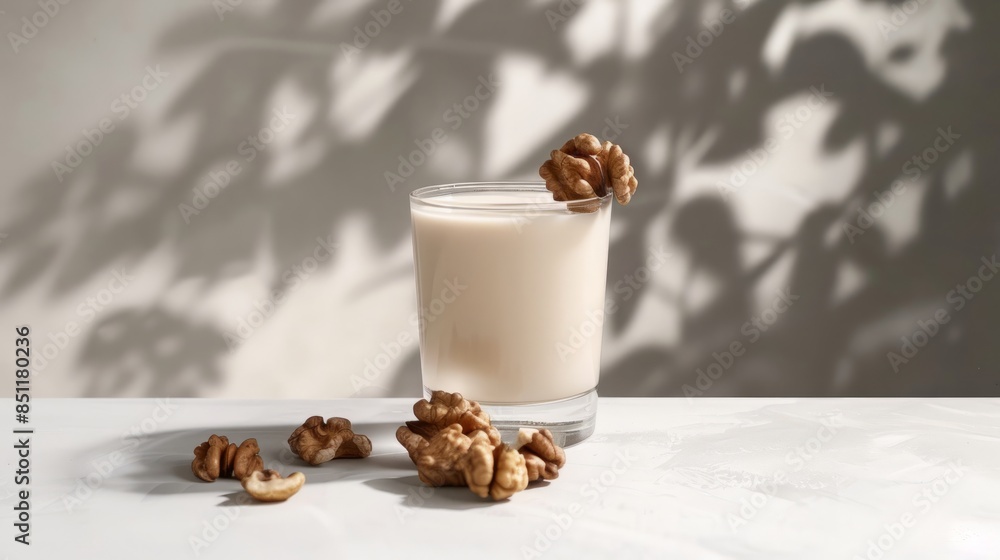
(268, 486)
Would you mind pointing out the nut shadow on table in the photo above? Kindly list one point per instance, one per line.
(162, 462)
(415, 494)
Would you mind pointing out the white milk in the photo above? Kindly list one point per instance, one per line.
(512, 305)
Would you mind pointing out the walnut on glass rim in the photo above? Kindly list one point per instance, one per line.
(217, 458)
(584, 168)
(316, 441)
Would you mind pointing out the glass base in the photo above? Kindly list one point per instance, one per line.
(570, 420)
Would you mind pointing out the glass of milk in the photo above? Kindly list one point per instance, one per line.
(511, 299)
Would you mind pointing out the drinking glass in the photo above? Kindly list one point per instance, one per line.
(511, 297)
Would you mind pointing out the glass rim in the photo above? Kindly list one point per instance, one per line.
(425, 196)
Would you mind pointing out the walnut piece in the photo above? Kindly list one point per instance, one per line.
(477, 465)
(268, 486)
(511, 473)
(446, 408)
(208, 458)
(452, 458)
(318, 442)
(246, 459)
(441, 411)
(542, 456)
(412, 441)
(584, 168)
(439, 462)
(218, 458)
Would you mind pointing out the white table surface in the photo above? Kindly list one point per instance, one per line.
(661, 478)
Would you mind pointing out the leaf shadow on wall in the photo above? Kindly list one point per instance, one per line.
(824, 345)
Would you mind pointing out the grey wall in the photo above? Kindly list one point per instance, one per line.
(749, 179)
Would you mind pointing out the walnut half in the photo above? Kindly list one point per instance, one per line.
(318, 442)
(584, 168)
(218, 458)
(510, 475)
(542, 456)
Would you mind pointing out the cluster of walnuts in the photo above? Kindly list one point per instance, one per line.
(453, 443)
(584, 168)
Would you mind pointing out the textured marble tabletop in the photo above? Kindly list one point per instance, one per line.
(661, 478)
